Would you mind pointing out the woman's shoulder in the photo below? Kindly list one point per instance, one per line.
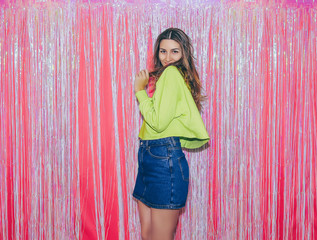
(172, 72)
(170, 76)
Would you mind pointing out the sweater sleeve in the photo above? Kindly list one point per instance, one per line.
(160, 110)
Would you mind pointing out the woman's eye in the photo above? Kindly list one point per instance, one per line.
(175, 51)
(162, 51)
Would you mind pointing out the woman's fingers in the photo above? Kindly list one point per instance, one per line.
(141, 79)
(144, 74)
(147, 74)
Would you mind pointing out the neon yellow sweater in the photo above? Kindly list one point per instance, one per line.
(172, 112)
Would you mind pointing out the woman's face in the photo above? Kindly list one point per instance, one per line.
(169, 52)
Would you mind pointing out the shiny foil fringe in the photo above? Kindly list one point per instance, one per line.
(69, 119)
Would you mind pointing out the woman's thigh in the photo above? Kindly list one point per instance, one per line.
(145, 220)
(163, 223)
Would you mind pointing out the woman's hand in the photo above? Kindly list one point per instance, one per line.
(141, 80)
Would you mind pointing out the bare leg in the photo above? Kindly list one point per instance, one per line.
(145, 219)
(164, 222)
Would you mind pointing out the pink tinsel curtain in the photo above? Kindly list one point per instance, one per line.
(70, 120)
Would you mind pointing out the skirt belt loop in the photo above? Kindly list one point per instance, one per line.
(173, 140)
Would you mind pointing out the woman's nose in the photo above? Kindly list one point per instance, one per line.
(168, 57)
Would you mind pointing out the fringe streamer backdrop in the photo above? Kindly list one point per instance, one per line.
(70, 120)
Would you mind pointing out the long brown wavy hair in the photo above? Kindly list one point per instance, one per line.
(185, 65)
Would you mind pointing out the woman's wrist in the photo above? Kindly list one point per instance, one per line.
(138, 89)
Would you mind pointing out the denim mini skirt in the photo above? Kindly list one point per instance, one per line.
(163, 174)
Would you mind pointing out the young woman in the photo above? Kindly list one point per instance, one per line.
(171, 122)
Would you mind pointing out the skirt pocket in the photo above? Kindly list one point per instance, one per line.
(158, 151)
(183, 165)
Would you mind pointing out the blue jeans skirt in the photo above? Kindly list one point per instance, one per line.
(163, 174)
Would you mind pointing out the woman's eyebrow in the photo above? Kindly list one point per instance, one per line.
(171, 49)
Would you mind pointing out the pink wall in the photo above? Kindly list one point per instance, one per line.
(70, 120)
